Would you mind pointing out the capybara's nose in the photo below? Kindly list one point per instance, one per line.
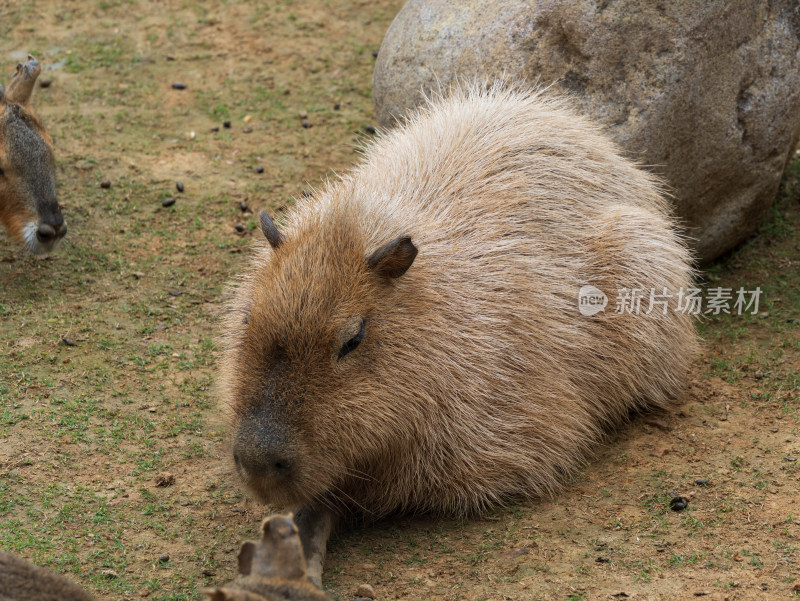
(261, 451)
(262, 464)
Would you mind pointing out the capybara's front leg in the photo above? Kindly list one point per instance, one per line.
(315, 525)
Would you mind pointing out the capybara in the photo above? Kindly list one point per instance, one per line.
(28, 206)
(411, 338)
(20, 580)
(272, 569)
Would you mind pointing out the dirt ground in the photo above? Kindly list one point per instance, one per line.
(113, 464)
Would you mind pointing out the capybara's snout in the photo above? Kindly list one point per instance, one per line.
(262, 448)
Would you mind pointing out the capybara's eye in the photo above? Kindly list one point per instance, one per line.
(2, 173)
(353, 342)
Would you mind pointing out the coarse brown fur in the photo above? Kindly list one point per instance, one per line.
(477, 379)
(21, 580)
(272, 569)
(28, 206)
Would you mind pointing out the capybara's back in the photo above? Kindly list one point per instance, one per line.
(21, 580)
(412, 338)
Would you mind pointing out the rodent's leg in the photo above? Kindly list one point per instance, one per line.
(315, 526)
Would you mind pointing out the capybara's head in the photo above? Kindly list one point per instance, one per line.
(305, 330)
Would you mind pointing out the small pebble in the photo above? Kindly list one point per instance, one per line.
(105, 184)
(366, 590)
(247, 129)
(247, 118)
(337, 106)
(163, 558)
(178, 86)
(226, 124)
(239, 227)
(68, 341)
(374, 55)
(702, 483)
(306, 123)
(260, 169)
(214, 129)
(370, 129)
(45, 83)
(243, 206)
(678, 503)
(758, 375)
(207, 572)
(179, 186)
(168, 201)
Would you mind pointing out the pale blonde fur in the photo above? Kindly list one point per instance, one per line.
(478, 380)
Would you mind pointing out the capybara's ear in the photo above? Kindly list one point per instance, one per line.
(246, 554)
(273, 236)
(393, 258)
(21, 86)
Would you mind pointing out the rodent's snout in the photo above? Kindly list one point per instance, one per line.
(258, 466)
(262, 450)
(51, 228)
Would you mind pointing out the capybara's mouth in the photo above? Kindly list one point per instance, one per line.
(270, 493)
(282, 492)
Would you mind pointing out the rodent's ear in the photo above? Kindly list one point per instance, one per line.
(393, 258)
(273, 236)
(265, 527)
(281, 526)
(246, 554)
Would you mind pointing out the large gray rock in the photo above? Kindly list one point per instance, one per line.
(706, 93)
